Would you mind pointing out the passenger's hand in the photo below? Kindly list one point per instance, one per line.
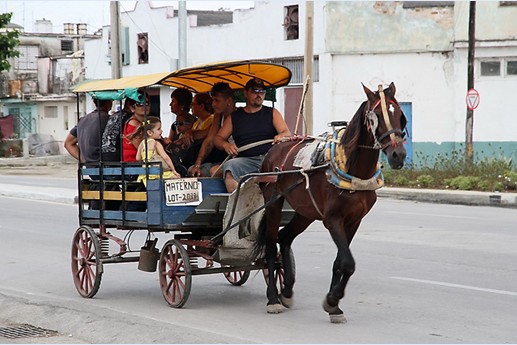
(195, 171)
(231, 149)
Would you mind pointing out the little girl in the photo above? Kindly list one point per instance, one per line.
(155, 151)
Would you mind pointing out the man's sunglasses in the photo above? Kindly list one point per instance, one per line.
(181, 123)
(261, 91)
(142, 104)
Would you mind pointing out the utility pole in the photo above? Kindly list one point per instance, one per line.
(469, 125)
(182, 34)
(308, 63)
(116, 57)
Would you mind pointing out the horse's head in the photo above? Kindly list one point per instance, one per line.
(386, 122)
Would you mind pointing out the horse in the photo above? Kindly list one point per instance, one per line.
(378, 125)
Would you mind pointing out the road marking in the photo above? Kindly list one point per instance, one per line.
(434, 215)
(467, 287)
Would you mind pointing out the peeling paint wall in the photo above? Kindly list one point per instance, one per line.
(493, 22)
(378, 26)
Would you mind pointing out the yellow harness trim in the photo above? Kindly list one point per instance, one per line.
(337, 173)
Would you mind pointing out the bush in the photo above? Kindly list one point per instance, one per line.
(425, 180)
(450, 170)
(463, 182)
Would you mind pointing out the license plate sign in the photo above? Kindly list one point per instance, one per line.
(183, 192)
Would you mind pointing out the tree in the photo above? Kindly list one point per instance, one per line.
(8, 42)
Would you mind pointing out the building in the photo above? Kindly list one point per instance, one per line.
(421, 46)
(36, 90)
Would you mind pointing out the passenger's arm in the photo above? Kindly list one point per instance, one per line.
(71, 146)
(139, 151)
(207, 146)
(280, 126)
(221, 138)
(161, 151)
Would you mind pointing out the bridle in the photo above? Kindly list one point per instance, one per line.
(372, 122)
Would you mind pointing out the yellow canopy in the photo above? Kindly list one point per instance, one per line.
(199, 78)
(121, 83)
(236, 73)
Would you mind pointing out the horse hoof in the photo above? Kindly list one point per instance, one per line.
(337, 318)
(286, 301)
(274, 309)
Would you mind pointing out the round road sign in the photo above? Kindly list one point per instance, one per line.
(472, 99)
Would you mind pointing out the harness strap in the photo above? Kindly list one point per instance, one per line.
(308, 189)
(386, 117)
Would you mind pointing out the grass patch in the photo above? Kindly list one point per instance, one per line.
(453, 171)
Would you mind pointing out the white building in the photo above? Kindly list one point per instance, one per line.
(421, 46)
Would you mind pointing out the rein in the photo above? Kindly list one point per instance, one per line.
(217, 238)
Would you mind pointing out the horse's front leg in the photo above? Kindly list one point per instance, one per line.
(342, 270)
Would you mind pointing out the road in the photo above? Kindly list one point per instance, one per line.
(426, 273)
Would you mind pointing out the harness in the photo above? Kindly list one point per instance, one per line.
(337, 173)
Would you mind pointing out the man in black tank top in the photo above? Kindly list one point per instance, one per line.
(252, 124)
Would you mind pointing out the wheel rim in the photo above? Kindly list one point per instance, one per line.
(279, 272)
(175, 274)
(86, 268)
(237, 277)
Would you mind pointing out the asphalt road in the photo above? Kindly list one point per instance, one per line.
(426, 273)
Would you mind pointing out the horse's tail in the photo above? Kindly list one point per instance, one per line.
(257, 250)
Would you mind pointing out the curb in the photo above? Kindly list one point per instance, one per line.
(37, 161)
(468, 198)
(59, 195)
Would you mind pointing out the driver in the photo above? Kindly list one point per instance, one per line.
(250, 124)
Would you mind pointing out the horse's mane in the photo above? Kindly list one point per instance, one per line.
(350, 138)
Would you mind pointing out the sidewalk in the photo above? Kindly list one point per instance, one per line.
(64, 166)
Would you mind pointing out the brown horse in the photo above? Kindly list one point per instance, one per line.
(377, 125)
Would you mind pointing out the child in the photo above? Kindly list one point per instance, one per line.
(155, 151)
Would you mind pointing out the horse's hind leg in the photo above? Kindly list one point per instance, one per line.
(285, 238)
(342, 270)
(273, 214)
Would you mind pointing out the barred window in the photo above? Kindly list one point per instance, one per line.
(295, 64)
(67, 45)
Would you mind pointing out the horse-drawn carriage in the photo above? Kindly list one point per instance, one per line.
(215, 232)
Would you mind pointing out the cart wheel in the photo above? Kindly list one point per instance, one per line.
(279, 272)
(237, 278)
(86, 266)
(175, 273)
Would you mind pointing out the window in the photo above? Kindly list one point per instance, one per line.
(507, 3)
(50, 112)
(511, 67)
(291, 22)
(501, 67)
(28, 59)
(295, 64)
(67, 45)
(65, 118)
(124, 45)
(490, 68)
(142, 44)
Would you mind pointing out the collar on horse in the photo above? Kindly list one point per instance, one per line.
(337, 173)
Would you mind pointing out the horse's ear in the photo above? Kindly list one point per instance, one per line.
(369, 94)
(393, 89)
